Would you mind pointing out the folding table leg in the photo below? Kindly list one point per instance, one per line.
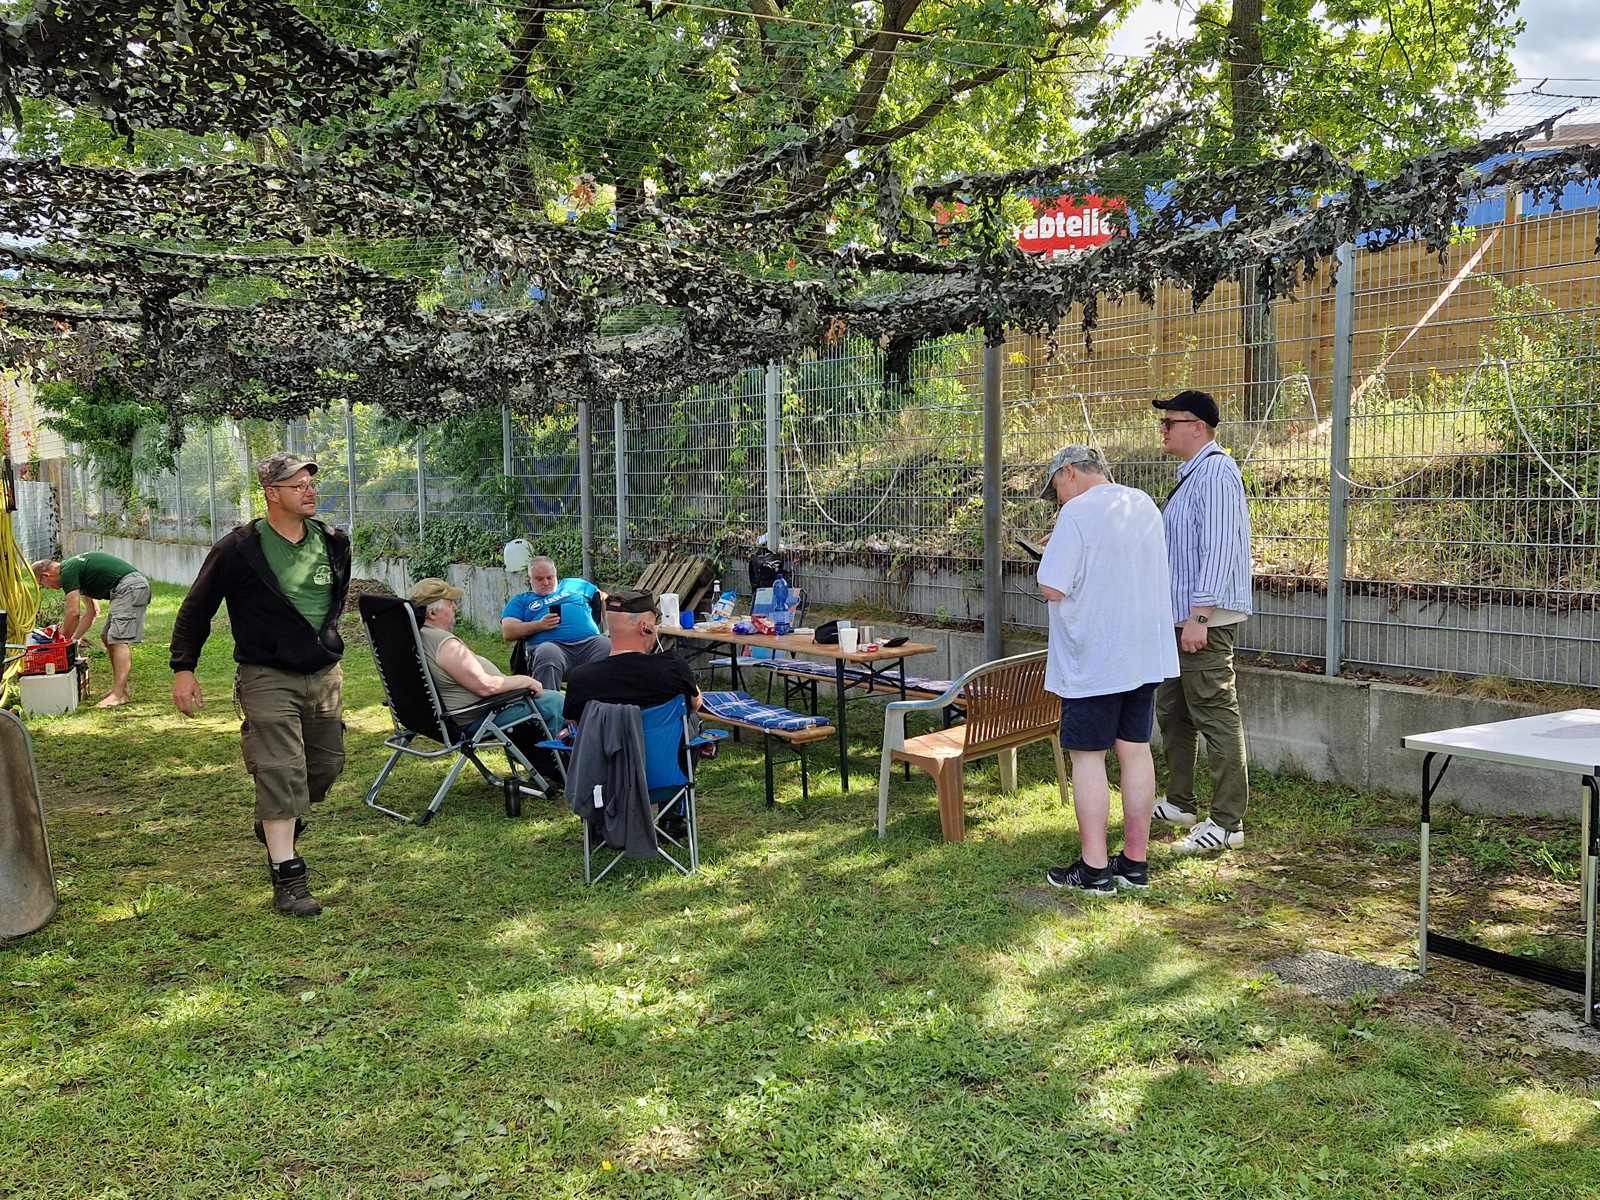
(1591, 869)
(1430, 781)
(844, 735)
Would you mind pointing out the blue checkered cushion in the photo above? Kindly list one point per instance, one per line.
(741, 706)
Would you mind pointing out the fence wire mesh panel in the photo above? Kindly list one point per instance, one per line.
(1472, 472)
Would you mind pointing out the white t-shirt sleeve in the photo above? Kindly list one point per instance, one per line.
(1062, 565)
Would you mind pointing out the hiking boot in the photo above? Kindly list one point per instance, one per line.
(1080, 877)
(291, 894)
(1208, 835)
(674, 827)
(1128, 874)
(299, 828)
(1169, 810)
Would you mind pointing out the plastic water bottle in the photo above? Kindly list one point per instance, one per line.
(780, 606)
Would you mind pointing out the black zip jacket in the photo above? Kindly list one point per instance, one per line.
(268, 631)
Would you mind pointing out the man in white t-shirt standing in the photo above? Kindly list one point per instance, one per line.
(1105, 576)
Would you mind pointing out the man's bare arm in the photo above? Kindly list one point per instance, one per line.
(513, 630)
(79, 620)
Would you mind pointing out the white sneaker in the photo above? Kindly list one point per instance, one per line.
(1208, 835)
(1166, 810)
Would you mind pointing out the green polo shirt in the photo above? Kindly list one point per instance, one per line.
(303, 570)
(94, 574)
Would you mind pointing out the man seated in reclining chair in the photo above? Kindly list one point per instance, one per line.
(633, 673)
(464, 678)
(554, 625)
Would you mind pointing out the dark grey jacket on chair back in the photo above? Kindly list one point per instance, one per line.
(608, 765)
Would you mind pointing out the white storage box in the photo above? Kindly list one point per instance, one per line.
(49, 695)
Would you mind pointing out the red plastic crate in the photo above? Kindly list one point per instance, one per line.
(37, 659)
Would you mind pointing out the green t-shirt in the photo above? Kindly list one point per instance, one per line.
(94, 574)
(303, 570)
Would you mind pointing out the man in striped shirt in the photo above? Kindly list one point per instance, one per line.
(1208, 548)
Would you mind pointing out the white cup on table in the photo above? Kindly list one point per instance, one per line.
(847, 640)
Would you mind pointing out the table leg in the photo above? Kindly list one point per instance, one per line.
(1429, 783)
(1590, 821)
(844, 739)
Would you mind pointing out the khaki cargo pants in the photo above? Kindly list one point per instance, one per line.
(1203, 700)
(292, 736)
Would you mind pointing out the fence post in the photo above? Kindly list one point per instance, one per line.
(1344, 324)
(177, 478)
(774, 462)
(211, 479)
(422, 489)
(621, 443)
(994, 601)
(585, 489)
(247, 495)
(350, 459)
(507, 463)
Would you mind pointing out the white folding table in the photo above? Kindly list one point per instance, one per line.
(1560, 741)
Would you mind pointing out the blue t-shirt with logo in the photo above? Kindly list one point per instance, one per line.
(577, 617)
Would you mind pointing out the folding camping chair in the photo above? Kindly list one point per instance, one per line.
(670, 750)
(27, 878)
(414, 704)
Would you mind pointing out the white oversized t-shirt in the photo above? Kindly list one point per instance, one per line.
(1112, 630)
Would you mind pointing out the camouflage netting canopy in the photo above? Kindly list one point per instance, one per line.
(259, 288)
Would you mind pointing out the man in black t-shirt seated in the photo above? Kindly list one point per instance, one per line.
(633, 673)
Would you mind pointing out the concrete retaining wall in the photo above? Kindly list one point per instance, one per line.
(1335, 730)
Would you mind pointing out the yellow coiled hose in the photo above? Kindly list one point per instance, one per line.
(19, 596)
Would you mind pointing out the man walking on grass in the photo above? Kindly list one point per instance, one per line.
(1207, 521)
(284, 579)
(1104, 575)
(88, 579)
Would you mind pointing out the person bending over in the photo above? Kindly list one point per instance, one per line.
(87, 579)
(553, 625)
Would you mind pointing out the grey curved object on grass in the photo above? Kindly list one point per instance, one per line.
(27, 879)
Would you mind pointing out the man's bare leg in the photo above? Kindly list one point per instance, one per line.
(1138, 797)
(1091, 798)
(121, 655)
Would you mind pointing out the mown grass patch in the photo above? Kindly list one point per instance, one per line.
(817, 1013)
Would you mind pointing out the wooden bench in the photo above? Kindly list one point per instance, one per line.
(797, 739)
(1007, 708)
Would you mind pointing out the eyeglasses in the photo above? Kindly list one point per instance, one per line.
(308, 486)
(1167, 423)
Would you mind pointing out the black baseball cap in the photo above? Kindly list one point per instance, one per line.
(630, 600)
(1201, 404)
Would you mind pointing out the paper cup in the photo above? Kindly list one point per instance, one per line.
(847, 640)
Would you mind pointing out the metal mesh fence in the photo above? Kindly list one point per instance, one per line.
(1472, 469)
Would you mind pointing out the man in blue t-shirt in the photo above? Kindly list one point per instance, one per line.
(554, 625)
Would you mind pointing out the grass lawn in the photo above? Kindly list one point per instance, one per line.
(817, 1013)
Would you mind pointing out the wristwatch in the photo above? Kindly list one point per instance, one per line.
(1198, 619)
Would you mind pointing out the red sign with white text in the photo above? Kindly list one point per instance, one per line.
(1071, 223)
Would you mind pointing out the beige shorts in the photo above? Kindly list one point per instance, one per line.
(292, 736)
(130, 600)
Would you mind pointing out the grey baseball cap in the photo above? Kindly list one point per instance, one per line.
(1073, 455)
(275, 468)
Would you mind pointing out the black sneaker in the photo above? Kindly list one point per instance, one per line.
(1134, 876)
(1096, 881)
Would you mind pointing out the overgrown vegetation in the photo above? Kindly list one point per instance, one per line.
(817, 1013)
(119, 434)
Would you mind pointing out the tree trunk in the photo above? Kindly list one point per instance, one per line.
(1246, 94)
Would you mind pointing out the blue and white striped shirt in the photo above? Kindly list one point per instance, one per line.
(1208, 536)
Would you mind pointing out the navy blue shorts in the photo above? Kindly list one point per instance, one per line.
(1095, 722)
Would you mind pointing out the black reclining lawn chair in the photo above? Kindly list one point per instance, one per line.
(392, 631)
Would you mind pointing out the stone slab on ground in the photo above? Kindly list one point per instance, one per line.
(1338, 976)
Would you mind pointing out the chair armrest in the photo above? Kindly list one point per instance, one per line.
(489, 704)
